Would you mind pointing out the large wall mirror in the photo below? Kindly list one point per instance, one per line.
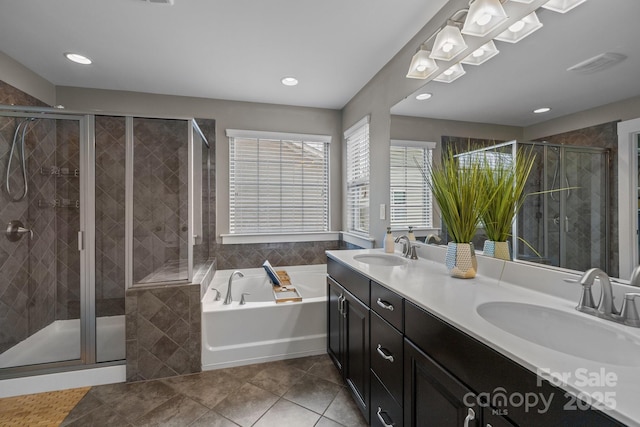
(576, 140)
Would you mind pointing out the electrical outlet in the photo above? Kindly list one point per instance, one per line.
(383, 211)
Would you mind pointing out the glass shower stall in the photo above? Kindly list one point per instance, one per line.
(92, 205)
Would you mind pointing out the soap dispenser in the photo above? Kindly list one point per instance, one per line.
(389, 243)
(410, 235)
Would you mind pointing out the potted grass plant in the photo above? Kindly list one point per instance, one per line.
(461, 192)
(505, 178)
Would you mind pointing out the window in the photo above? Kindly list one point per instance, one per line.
(278, 183)
(357, 137)
(410, 194)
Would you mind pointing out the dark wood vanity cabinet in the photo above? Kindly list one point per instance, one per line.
(348, 334)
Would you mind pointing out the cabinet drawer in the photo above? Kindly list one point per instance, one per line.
(352, 281)
(387, 304)
(386, 355)
(385, 411)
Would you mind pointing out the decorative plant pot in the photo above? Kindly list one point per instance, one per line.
(500, 250)
(461, 260)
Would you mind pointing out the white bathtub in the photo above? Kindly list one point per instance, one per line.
(261, 330)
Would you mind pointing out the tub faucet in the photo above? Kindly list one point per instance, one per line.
(228, 299)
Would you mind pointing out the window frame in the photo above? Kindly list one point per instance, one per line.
(357, 179)
(278, 234)
(428, 150)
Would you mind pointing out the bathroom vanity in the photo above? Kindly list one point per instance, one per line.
(414, 349)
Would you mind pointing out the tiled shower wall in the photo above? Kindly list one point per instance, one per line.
(28, 267)
(603, 136)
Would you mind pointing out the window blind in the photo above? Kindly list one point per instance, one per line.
(278, 185)
(357, 139)
(411, 201)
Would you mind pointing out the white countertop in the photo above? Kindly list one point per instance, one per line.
(427, 283)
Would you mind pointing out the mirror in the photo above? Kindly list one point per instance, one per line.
(494, 101)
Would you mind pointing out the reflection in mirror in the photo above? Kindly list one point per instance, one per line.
(494, 102)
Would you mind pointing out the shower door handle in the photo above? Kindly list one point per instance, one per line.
(566, 224)
(80, 241)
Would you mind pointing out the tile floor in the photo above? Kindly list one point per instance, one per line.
(296, 392)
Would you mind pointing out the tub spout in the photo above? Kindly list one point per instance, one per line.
(228, 299)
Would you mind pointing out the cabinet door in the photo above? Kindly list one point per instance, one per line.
(335, 337)
(432, 396)
(356, 372)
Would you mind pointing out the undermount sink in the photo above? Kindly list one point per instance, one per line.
(565, 332)
(380, 259)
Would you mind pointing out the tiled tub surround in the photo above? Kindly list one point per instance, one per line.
(262, 330)
(426, 283)
(162, 331)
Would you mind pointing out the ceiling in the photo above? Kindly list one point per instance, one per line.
(533, 72)
(234, 49)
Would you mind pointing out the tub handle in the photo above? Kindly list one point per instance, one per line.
(383, 352)
(384, 304)
(218, 296)
(242, 300)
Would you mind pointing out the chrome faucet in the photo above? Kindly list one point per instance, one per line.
(433, 238)
(606, 309)
(406, 245)
(227, 299)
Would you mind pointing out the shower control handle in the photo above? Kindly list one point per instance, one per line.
(16, 229)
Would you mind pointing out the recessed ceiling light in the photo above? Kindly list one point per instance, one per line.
(289, 81)
(77, 58)
(423, 96)
(542, 110)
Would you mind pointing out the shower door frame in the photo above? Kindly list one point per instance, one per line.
(85, 236)
(628, 208)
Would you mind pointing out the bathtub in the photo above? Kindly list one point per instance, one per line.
(261, 330)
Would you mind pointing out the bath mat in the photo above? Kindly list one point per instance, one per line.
(42, 409)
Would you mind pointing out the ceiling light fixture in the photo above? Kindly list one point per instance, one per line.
(289, 81)
(77, 58)
(562, 6)
(423, 96)
(449, 42)
(483, 17)
(422, 66)
(520, 29)
(482, 54)
(451, 74)
(541, 110)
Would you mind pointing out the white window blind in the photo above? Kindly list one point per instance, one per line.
(278, 184)
(411, 201)
(357, 138)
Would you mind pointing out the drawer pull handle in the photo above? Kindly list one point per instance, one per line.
(470, 417)
(385, 305)
(383, 352)
(382, 420)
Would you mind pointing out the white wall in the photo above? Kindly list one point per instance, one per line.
(228, 115)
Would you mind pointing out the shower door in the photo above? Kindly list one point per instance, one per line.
(568, 224)
(43, 271)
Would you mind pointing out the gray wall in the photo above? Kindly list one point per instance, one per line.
(19, 76)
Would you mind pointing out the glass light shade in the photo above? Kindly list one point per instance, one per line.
(520, 29)
(422, 66)
(451, 74)
(482, 54)
(562, 6)
(449, 43)
(483, 17)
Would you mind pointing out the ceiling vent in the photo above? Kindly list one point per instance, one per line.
(169, 2)
(598, 63)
